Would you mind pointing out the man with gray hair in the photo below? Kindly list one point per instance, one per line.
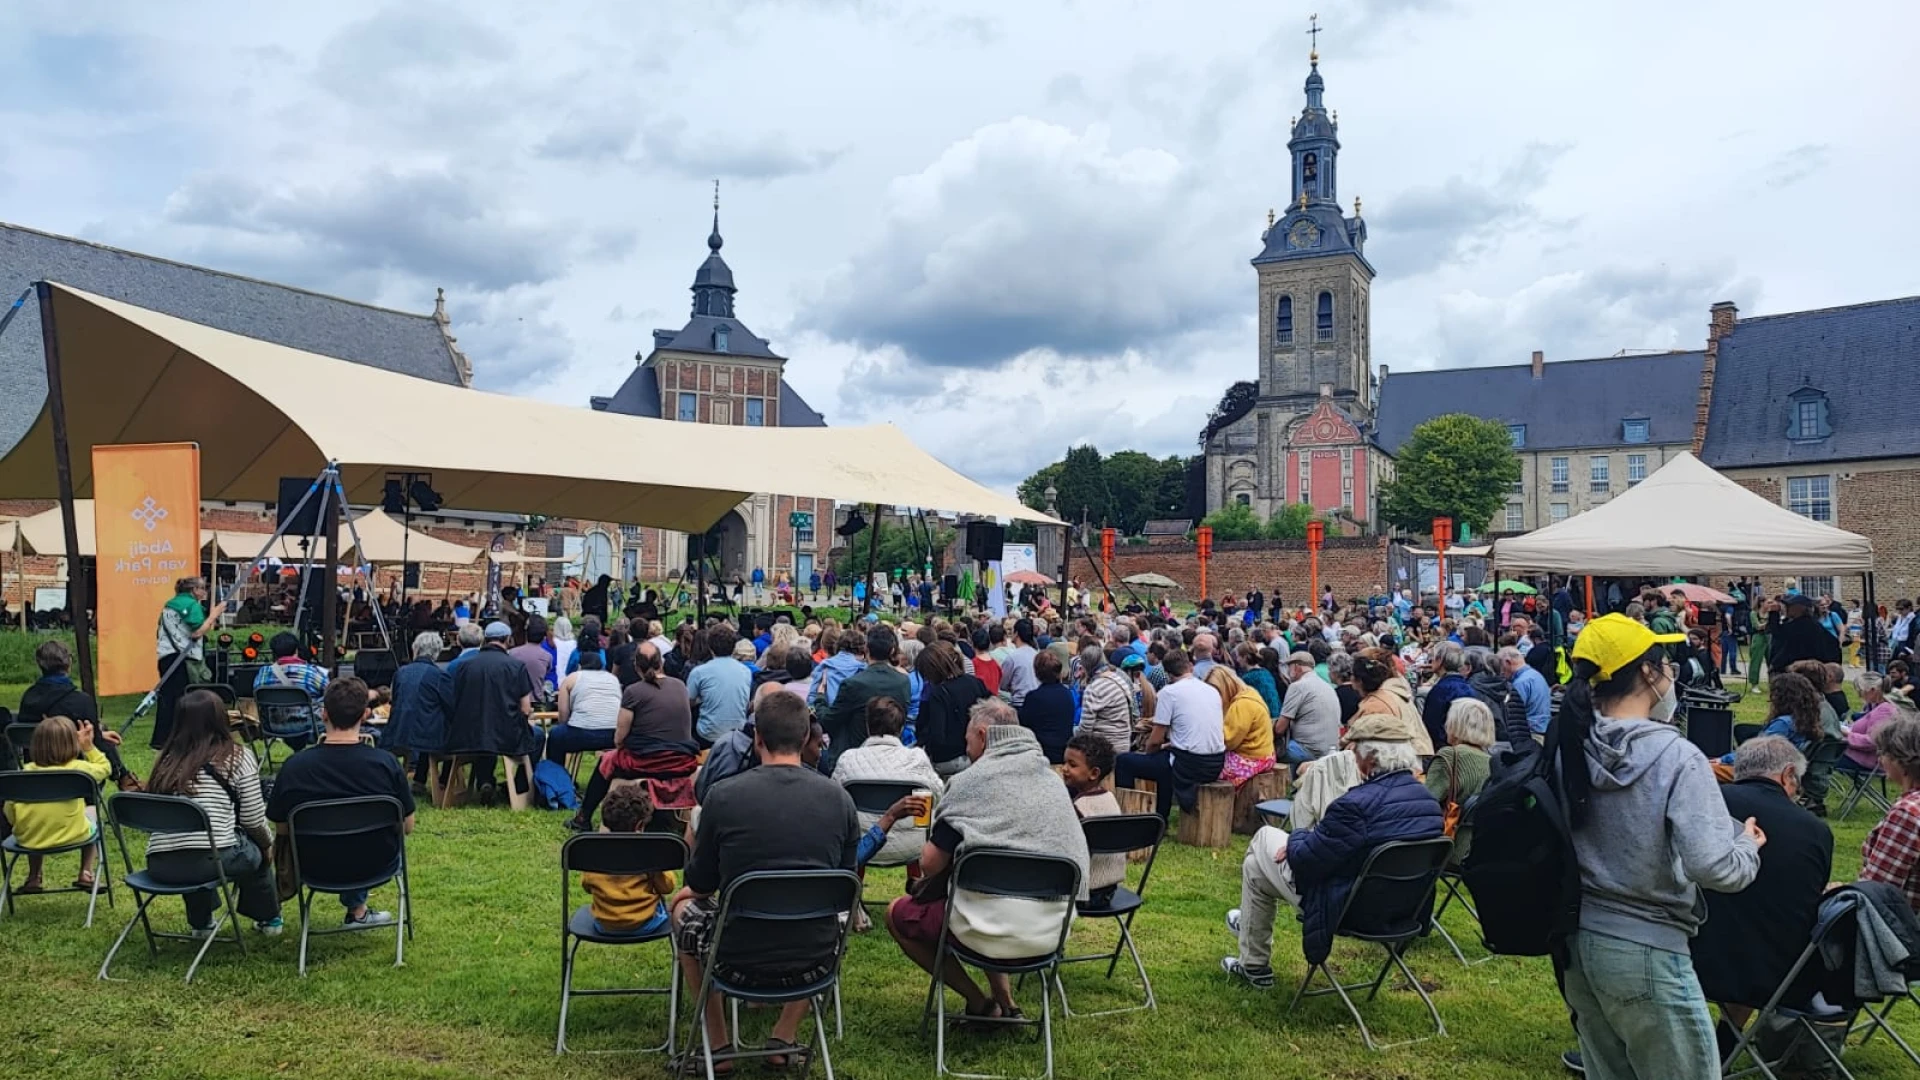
(1751, 939)
(1532, 687)
(1314, 869)
(1204, 647)
(1449, 663)
(471, 637)
(422, 696)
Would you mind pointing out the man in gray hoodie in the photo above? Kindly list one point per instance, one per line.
(1650, 830)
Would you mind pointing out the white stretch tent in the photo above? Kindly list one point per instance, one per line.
(1686, 519)
(383, 539)
(44, 534)
(261, 411)
(508, 557)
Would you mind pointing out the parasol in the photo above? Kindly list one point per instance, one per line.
(1151, 581)
(1519, 587)
(1029, 577)
(1699, 594)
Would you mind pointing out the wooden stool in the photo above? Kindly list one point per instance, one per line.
(1271, 784)
(453, 789)
(1134, 801)
(1211, 823)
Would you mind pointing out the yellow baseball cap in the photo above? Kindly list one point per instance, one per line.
(1611, 642)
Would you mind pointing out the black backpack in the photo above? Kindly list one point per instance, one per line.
(1521, 869)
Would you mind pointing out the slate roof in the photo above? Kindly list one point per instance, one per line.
(378, 337)
(1575, 404)
(697, 337)
(640, 396)
(1860, 355)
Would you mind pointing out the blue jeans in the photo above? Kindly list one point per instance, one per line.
(564, 739)
(1639, 1011)
(1729, 655)
(651, 926)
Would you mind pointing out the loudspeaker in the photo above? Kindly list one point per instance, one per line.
(411, 577)
(984, 540)
(316, 589)
(241, 676)
(696, 549)
(375, 667)
(308, 521)
(950, 586)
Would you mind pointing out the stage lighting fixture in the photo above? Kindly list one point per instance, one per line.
(855, 524)
(425, 497)
(394, 499)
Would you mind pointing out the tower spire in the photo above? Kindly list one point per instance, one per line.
(713, 238)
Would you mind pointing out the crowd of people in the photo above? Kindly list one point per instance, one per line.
(1392, 716)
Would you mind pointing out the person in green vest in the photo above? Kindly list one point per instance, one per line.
(1759, 641)
(1662, 621)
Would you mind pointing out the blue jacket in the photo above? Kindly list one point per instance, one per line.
(422, 703)
(1326, 858)
(1451, 687)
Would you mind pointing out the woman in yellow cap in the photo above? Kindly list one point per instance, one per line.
(1649, 831)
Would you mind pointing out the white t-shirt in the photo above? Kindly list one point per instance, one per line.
(1190, 710)
(594, 701)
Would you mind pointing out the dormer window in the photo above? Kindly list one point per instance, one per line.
(719, 339)
(1634, 430)
(1517, 433)
(1808, 419)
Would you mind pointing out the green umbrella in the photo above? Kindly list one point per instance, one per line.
(1520, 587)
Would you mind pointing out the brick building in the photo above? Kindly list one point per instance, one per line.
(714, 370)
(1354, 566)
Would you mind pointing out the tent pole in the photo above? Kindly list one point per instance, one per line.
(1589, 596)
(1869, 620)
(20, 565)
(873, 551)
(700, 579)
(78, 600)
(330, 593)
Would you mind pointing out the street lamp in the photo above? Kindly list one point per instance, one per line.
(1316, 536)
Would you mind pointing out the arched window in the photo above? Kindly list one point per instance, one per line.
(719, 339)
(1283, 321)
(1323, 318)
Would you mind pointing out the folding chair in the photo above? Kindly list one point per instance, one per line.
(1863, 781)
(1396, 878)
(50, 786)
(286, 712)
(1822, 759)
(1118, 835)
(149, 813)
(20, 737)
(1012, 874)
(338, 824)
(1455, 887)
(1835, 921)
(782, 898)
(218, 689)
(630, 854)
(875, 797)
(1872, 1022)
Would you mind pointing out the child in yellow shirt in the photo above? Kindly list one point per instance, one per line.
(628, 905)
(59, 743)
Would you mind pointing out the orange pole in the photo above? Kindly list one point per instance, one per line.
(1589, 596)
(1203, 577)
(1313, 572)
(1442, 549)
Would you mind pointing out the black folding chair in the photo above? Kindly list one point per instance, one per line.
(218, 689)
(1119, 835)
(286, 712)
(338, 823)
(1396, 881)
(783, 898)
(1456, 890)
(625, 854)
(51, 786)
(1863, 786)
(1014, 875)
(144, 812)
(876, 797)
(20, 737)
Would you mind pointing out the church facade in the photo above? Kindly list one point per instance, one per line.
(714, 370)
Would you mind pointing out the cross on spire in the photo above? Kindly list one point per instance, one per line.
(1313, 31)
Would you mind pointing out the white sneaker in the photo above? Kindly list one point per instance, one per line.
(201, 933)
(1233, 921)
(273, 927)
(371, 918)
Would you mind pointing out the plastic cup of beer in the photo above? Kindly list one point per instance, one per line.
(924, 818)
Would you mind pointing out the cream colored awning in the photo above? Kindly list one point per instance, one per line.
(384, 539)
(44, 534)
(516, 557)
(261, 411)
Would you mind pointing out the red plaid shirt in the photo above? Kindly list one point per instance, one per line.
(1892, 851)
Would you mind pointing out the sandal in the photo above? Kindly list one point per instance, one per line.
(797, 1057)
(694, 1064)
(84, 882)
(29, 887)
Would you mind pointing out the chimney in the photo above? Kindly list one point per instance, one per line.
(1539, 364)
(1383, 373)
(1721, 319)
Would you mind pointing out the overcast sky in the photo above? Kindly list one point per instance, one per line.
(1009, 230)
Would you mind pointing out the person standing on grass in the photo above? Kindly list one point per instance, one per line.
(1650, 829)
(343, 767)
(184, 623)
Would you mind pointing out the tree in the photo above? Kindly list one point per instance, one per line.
(900, 548)
(1123, 491)
(1083, 487)
(1456, 466)
(1234, 521)
(1290, 522)
(1234, 404)
(1134, 482)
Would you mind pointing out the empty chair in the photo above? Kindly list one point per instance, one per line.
(1118, 836)
(54, 786)
(148, 813)
(1397, 883)
(287, 715)
(335, 850)
(623, 854)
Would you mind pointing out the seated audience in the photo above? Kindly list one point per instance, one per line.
(200, 761)
(1892, 851)
(59, 743)
(537, 654)
(1088, 766)
(54, 694)
(1007, 800)
(1310, 718)
(292, 726)
(1048, 708)
(1187, 746)
(1107, 706)
(628, 905)
(1386, 694)
(1450, 661)
(589, 709)
(1246, 727)
(1751, 938)
(653, 742)
(778, 814)
(470, 637)
(422, 705)
(883, 757)
(343, 767)
(1462, 767)
(944, 704)
(1314, 869)
(492, 698)
(1881, 704)
(845, 720)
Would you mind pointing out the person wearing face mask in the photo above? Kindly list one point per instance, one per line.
(1650, 830)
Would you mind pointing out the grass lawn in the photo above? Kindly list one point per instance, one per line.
(478, 996)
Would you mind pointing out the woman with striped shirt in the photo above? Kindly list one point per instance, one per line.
(202, 762)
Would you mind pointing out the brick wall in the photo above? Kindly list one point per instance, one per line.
(1354, 566)
(1879, 504)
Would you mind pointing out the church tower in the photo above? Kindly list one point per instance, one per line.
(1314, 277)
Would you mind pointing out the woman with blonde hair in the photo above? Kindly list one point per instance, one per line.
(1462, 767)
(1245, 725)
(1385, 692)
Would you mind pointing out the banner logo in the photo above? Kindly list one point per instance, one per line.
(149, 514)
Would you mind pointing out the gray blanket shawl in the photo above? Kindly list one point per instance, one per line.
(1011, 799)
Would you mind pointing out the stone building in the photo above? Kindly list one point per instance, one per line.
(714, 370)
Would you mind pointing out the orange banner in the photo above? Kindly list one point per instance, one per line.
(146, 528)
